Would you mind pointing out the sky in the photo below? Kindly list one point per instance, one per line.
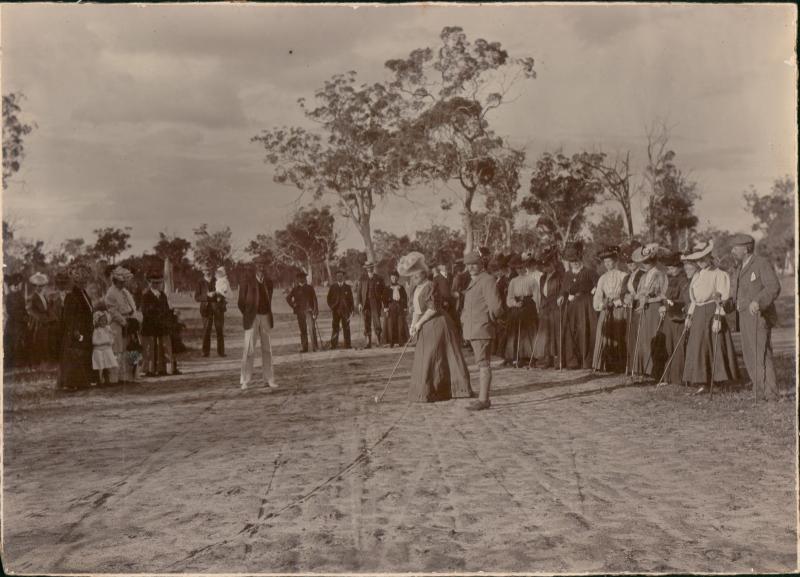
(144, 114)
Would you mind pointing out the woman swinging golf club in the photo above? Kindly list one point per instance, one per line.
(439, 371)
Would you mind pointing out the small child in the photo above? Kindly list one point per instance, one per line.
(103, 357)
(222, 287)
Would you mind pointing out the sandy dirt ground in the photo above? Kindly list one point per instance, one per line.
(568, 472)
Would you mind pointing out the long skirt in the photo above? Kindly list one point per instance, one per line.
(579, 330)
(609, 342)
(673, 343)
(500, 340)
(648, 354)
(632, 321)
(125, 370)
(548, 333)
(38, 344)
(395, 327)
(439, 371)
(521, 335)
(76, 367)
(700, 350)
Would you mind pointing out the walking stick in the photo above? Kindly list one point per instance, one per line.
(672, 356)
(602, 334)
(320, 340)
(378, 398)
(533, 347)
(755, 363)
(627, 334)
(713, 363)
(516, 357)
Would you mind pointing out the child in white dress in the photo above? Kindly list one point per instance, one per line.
(103, 357)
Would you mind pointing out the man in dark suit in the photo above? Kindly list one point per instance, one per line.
(340, 301)
(754, 288)
(395, 305)
(442, 284)
(255, 304)
(55, 309)
(212, 311)
(370, 300)
(303, 301)
(156, 325)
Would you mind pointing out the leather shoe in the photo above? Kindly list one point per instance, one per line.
(479, 406)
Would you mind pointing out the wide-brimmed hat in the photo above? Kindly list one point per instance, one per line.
(515, 261)
(38, 279)
(411, 263)
(646, 253)
(121, 273)
(472, 258)
(700, 250)
(671, 259)
(98, 315)
(609, 251)
(741, 239)
(573, 251)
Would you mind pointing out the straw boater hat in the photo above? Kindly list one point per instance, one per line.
(369, 264)
(97, 316)
(609, 251)
(699, 251)
(38, 279)
(411, 263)
(646, 253)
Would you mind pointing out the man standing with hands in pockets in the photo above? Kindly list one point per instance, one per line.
(255, 303)
(340, 301)
(755, 286)
(482, 308)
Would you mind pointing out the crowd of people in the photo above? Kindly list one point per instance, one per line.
(97, 328)
(652, 313)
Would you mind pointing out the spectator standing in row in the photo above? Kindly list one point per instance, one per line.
(38, 321)
(255, 304)
(156, 327)
(125, 321)
(395, 306)
(212, 311)
(16, 322)
(370, 303)
(303, 301)
(76, 355)
(55, 315)
(340, 301)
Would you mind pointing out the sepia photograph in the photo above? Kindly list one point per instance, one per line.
(399, 288)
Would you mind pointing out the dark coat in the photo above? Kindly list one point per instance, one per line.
(248, 301)
(757, 281)
(678, 295)
(482, 308)
(340, 299)
(201, 295)
(156, 315)
(302, 298)
(387, 297)
(78, 322)
(371, 291)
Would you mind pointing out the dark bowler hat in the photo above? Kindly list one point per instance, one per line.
(671, 259)
(498, 261)
(340, 271)
(515, 261)
(742, 240)
(573, 251)
(300, 275)
(155, 275)
(394, 273)
(13, 279)
(61, 280)
(609, 251)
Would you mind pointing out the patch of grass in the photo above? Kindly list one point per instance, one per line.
(786, 372)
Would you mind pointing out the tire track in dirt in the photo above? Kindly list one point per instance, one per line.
(150, 466)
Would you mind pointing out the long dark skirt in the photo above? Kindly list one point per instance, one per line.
(673, 343)
(609, 342)
(700, 350)
(439, 371)
(522, 334)
(580, 322)
(500, 340)
(548, 332)
(648, 355)
(632, 321)
(395, 327)
(76, 367)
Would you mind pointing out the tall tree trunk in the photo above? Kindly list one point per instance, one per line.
(469, 231)
(328, 269)
(628, 220)
(366, 234)
(508, 227)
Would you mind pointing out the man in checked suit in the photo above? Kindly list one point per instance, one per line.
(754, 288)
(340, 301)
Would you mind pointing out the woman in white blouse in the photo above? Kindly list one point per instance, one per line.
(652, 290)
(439, 371)
(709, 349)
(609, 343)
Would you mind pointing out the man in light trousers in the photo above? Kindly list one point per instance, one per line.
(255, 303)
